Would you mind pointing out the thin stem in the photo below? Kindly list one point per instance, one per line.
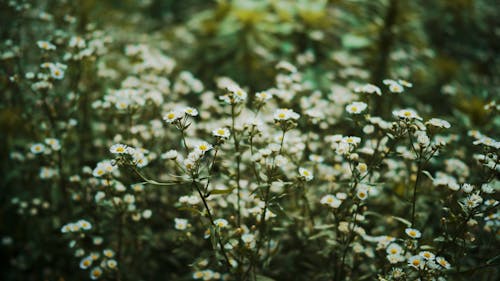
(210, 217)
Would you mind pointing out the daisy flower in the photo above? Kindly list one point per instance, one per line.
(408, 114)
(222, 133)
(413, 233)
(443, 262)
(416, 262)
(330, 200)
(118, 148)
(37, 148)
(95, 273)
(427, 255)
(181, 224)
(438, 123)
(172, 116)
(368, 89)
(221, 223)
(45, 45)
(86, 262)
(356, 107)
(284, 114)
(191, 111)
(305, 174)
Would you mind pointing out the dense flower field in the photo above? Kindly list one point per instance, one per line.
(249, 140)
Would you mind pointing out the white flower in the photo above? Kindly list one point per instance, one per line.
(394, 86)
(221, 223)
(356, 107)
(54, 143)
(351, 140)
(306, 174)
(263, 96)
(37, 148)
(394, 249)
(118, 148)
(181, 224)
(85, 225)
(191, 111)
(46, 45)
(203, 147)
(171, 154)
(439, 123)
(284, 114)
(95, 273)
(330, 200)
(467, 188)
(427, 255)
(406, 114)
(362, 192)
(416, 262)
(172, 116)
(443, 262)
(57, 72)
(413, 233)
(222, 133)
(86, 262)
(368, 89)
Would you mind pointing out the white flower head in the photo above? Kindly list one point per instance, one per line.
(284, 114)
(413, 233)
(356, 107)
(438, 123)
(222, 133)
(305, 174)
(368, 89)
(173, 116)
(181, 224)
(408, 114)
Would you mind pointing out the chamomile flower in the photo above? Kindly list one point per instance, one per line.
(416, 262)
(45, 45)
(427, 255)
(263, 96)
(438, 123)
(86, 262)
(37, 148)
(57, 72)
(221, 223)
(85, 225)
(191, 111)
(305, 174)
(408, 114)
(351, 140)
(394, 249)
(330, 200)
(118, 148)
(248, 239)
(368, 89)
(413, 233)
(362, 192)
(284, 114)
(356, 107)
(54, 143)
(203, 147)
(108, 253)
(172, 116)
(222, 133)
(443, 262)
(394, 86)
(181, 224)
(111, 264)
(95, 273)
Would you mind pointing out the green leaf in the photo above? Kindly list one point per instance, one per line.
(402, 220)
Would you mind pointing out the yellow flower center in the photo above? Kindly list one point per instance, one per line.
(416, 262)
